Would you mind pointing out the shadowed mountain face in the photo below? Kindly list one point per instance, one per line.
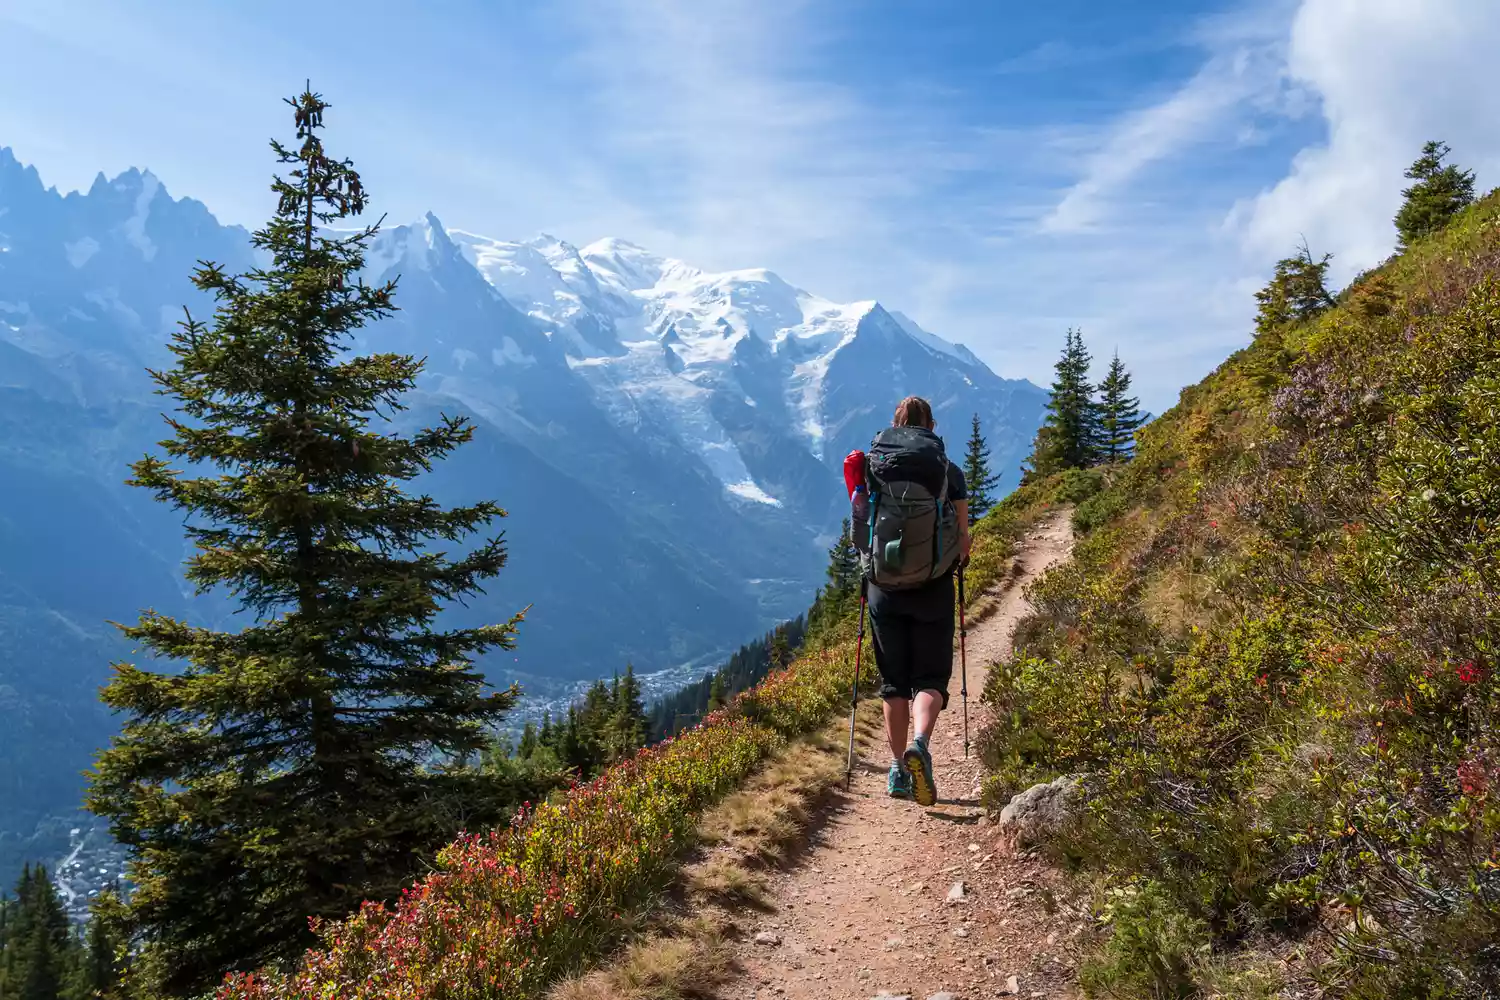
(666, 443)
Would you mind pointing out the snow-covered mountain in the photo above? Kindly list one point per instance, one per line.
(666, 440)
(722, 361)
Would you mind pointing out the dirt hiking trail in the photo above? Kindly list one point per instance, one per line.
(892, 898)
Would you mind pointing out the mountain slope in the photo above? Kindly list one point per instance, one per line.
(1272, 661)
(665, 440)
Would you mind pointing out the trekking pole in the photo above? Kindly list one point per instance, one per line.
(963, 659)
(859, 644)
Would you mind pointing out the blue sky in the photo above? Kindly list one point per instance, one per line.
(999, 170)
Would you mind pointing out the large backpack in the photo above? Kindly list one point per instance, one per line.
(912, 533)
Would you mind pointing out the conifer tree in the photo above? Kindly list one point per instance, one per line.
(1119, 413)
(779, 654)
(718, 697)
(104, 945)
(629, 721)
(39, 954)
(529, 740)
(843, 566)
(1068, 437)
(1297, 292)
(1440, 192)
(978, 481)
(293, 769)
(571, 745)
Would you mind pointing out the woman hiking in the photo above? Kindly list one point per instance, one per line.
(912, 530)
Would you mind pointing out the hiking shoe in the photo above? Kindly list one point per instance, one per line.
(898, 784)
(918, 764)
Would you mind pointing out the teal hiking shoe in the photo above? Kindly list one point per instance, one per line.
(918, 764)
(898, 784)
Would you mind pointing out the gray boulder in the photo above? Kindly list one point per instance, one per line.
(1041, 811)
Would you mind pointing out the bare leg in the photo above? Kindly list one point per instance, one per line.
(929, 704)
(897, 718)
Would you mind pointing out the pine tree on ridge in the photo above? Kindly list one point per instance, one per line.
(978, 481)
(1119, 413)
(1440, 192)
(1296, 293)
(1068, 437)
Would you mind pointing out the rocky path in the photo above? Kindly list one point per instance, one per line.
(892, 898)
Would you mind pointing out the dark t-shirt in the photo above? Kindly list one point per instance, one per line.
(931, 602)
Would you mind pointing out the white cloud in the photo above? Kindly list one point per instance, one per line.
(1173, 281)
(1390, 74)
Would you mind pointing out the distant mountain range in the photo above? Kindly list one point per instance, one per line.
(667, 442)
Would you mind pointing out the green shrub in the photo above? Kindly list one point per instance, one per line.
(1077, 485)
(1152, 950)
(1099, 509)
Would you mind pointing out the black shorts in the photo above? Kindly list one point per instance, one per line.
(912, 633)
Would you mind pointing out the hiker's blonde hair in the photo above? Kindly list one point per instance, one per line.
(913, 411)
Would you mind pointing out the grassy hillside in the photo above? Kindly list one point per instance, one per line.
(1272, 658)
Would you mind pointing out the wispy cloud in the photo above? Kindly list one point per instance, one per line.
(724, 125)
(1243, 68)
(1055, 54)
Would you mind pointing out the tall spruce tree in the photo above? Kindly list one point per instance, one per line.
(1440, 192)
(978, 481)
(1068, 437)
(1119, 413)
(295, 768)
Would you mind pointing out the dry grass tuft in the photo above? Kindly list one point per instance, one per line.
(767, 817)
(1175, 599)
(690, 966)
(726, 882)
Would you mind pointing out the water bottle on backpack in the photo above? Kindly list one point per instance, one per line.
(859, 499)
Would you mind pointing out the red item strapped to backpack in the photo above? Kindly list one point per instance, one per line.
(854, 471)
